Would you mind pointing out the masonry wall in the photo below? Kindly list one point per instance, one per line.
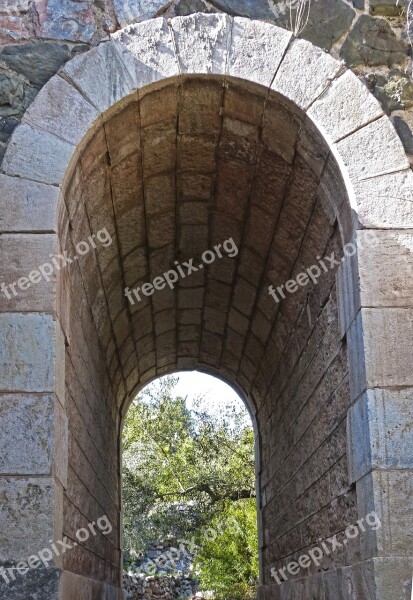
(38, 37)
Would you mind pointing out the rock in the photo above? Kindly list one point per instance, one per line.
(187, 7)
(37, 61)
(372, 42)
(403, 126)
(395, 91)
(134, 11)
(66, 20)
(15, 95)
(327, 23)
(247, 8)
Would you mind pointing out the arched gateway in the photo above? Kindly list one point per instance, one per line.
(164, 142)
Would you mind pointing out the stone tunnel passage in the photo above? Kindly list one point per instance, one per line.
(194, 162)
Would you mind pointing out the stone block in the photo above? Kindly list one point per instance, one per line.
(22, 255)
(344, 107)
(147, 50)
(256, 50)
(385, 267)
(36, 584)
(362, 151)
(387, 494)
(379, 430)
(201, 42)
(379, 349)
(37, 155)
(26, 516)
(30, 355)
(60, 109)
(313, 71)
(27, 206)
(101, 76)
(385, 201)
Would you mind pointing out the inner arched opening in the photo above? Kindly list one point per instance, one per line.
(235, 187)
(189, 493)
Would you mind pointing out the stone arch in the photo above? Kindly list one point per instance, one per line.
(303, 137)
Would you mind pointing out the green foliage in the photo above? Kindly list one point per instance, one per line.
(187, 470)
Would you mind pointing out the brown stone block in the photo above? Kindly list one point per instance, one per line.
(239, 141)
(244, 296)
(161, 230)
(159, 147)
(270, 183)
(244, 104)
(123, 133)
(232, 176)
(159, 105)
(199, 106)
(197, 153)
(194, 186)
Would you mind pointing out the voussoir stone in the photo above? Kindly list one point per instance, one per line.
(256, 50)
(100, 75)
(385, 201)
(344, 107)
(148, 52)
(313, 71)
(26, 205)
(37, 155)
(373, 150)
(61, 110)
(202, 42)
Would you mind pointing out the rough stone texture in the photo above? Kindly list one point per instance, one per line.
(51, 162)
(160, 175)
(379, 44)
(332, 107)
(27, 206)
(388, 416)
(25, 509)
(37, 584)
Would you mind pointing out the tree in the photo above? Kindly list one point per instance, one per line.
(187, 471)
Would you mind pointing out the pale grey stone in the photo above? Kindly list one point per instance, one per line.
(62, 111)
(202, 42)
(27, 206)
(256, 50)
(100, 75)
(344, 107)
(374, 150)
(380, 432)
(385, 201)
(134, 11)
(37, 155)
(27, 352)
(313, 71)
(26, 516)
(148, 52)
(26, 434)
(386, 267)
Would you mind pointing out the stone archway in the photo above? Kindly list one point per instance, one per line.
(174, 137)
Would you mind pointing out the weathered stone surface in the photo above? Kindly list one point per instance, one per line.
(344, 107)
(362, 152)
(27, 206)
(27, 434)
(380, 432)
(27, 354)
(328, 21)
(36, 585)
(100, 75)
(395, 91)
(26, 516)
(385, 201)
(15, 96)
(62, 111)
(198, 52)
(264, 10)
(403, 124)
(36, 61)
(66, 20)
(372, 42)
(134, 11)
(256, 50)
(147, 51)
(313, 71)
(45, 157)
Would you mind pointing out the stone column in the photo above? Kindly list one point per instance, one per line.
(33, 424)
(377, 318)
